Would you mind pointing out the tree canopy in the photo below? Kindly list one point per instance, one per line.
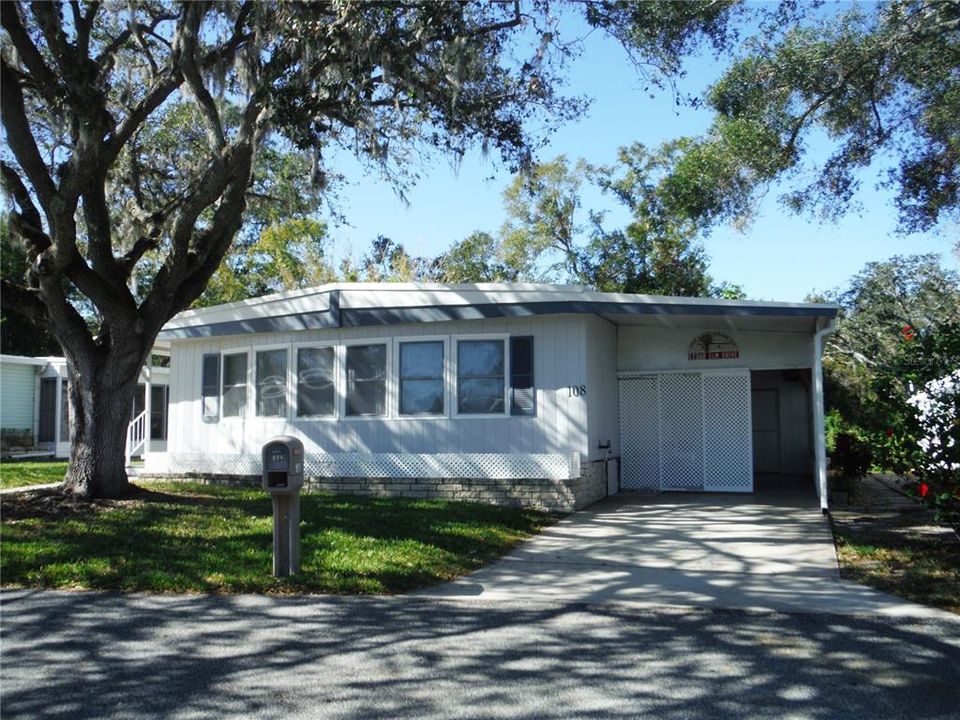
(878, 84)
(134, 132)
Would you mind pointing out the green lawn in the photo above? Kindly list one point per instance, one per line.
(19, 474)
(178, 537)
(923, 570)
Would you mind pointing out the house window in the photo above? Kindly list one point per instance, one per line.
(366, 380)
(421, 378)
(64, 412)
(235, 385)
(158, 409)
(480, 377)
(159, 398)
(315, 392)
(523, 396)
(272, 383)
(210, 387)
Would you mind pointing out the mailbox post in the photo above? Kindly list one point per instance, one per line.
(283, 478)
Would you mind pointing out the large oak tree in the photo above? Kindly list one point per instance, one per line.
(95, 195)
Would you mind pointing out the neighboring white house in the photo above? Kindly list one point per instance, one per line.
(34, 407)
(518, 393)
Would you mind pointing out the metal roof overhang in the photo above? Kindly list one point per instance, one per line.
(672, 312)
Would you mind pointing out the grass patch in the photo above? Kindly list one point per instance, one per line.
(21, 474)
(921, 568)
(179, 537)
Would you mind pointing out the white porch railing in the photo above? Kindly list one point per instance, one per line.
(136, 436)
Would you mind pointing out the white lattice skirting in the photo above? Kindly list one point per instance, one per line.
(382, 465)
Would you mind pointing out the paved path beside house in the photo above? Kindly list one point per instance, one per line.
(98, 655)
(701, 550)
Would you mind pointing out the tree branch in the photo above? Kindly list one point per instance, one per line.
(20, 138)
(185, 50)
(21, 196)
(40, 73)
(51, 23)
(24, 302)
(515, 21)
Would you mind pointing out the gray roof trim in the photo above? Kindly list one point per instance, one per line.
(278, 323)
(361, 317)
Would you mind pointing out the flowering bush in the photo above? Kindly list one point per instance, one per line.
(937, 410)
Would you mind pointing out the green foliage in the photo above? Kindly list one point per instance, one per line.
(288, 255)
(899, 330)
(476, 258)
(547, 238)
(19, 336)
(851, 456)
(388, 261)
(880, 81)
(869, 359)
(195, 538)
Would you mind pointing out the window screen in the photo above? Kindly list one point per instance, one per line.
(366, 380)
(158, 412)
(421, 378)
(272, 383)
(480, 377)
(235, 385)
(315, 392)
(210, 387)
(523, 396)
(64, 412)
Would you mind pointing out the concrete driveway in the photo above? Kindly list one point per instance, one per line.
(699, 550)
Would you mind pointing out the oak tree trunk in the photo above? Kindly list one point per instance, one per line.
(100, 405)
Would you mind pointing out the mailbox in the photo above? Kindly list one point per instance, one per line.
(283, 478)
(283, 465)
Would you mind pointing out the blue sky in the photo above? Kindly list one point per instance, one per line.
(779, 257)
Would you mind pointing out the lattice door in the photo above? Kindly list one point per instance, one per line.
(639, 433)
(727, 436)
(681, 432)
(686, 431)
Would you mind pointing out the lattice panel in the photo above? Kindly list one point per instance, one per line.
(639, 434)
(728, 455)
(681, 432)
(478, 465)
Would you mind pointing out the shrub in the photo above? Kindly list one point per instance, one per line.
(851, 456)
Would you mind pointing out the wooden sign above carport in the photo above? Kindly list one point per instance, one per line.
(713, 346)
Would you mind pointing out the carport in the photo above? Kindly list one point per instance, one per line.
(724, 398)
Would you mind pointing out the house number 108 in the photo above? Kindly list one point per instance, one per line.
(576, 391)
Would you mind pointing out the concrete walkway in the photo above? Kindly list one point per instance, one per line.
(687, 550)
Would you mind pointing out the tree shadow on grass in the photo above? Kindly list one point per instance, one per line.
(195, 538)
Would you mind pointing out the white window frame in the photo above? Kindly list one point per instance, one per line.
(389, 379)
(504, 338)
(317, 345)
(447, 385)
(246, 409)
(252, 373)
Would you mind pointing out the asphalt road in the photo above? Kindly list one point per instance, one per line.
(92, 655)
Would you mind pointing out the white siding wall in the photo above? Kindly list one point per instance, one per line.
(559, 425)
(649, 348)
(603, 423)
(18, 385)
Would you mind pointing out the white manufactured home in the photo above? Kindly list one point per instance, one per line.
(550, 396)
(34, 413)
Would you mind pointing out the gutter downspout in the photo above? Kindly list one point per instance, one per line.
(819, 434)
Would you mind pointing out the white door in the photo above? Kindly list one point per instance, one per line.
(681, 432)
(727, 446)
(686, 431)
(639, 433)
